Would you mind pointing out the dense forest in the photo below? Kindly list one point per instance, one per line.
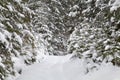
(89, 29)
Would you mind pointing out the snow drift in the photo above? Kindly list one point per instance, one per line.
(65, 68)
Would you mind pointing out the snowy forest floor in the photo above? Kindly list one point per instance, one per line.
(66, 68)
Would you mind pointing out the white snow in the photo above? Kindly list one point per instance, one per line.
(18, 63)
(72, 14)
(76, 45)
(66, 68)
(17, 38)
(27, 32)
(106, 72)
(3, 40)
(107, 47)
(20, 26)
(1, 64)
(115, 5)
(75, 7)
(1, 25)
(21, 15)
(88, 1)
(10, 7)
(18, 1)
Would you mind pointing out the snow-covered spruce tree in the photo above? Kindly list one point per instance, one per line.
(16, 37)
(64, 17)
(96, 37)
(51, 22)
(56, 18)
(41, 24)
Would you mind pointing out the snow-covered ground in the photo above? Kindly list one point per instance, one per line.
(66, 68)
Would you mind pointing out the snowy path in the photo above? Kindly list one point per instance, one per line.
(53, 68)
(64, 68)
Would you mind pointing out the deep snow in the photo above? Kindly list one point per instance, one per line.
(66, 68)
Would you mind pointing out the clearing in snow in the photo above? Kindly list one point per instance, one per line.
(66, 68)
